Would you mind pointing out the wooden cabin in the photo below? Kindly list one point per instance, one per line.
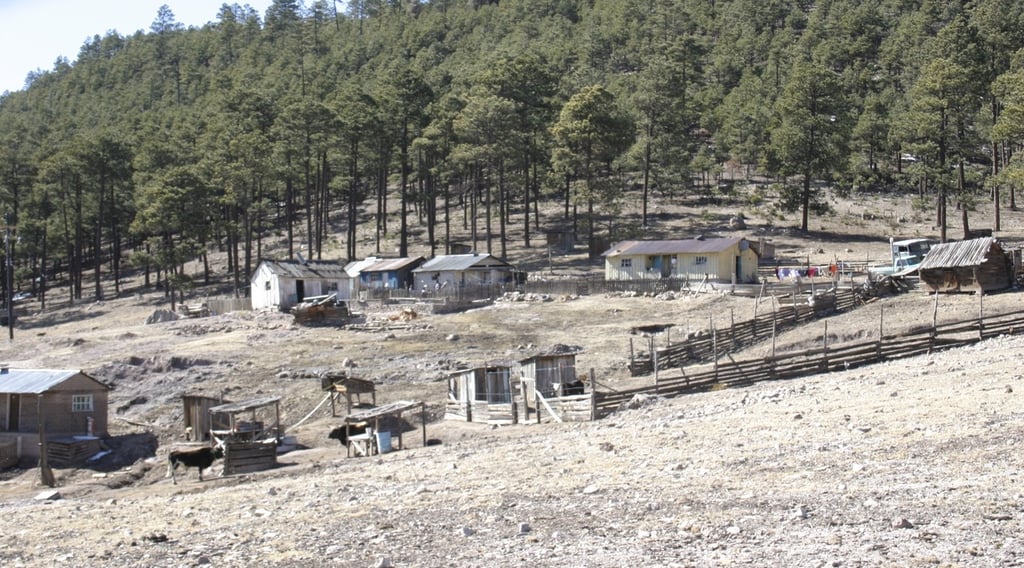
(721, 260)
(974, 265)
(282, 284)
(69, 406)
(454, 271)
(482, 394)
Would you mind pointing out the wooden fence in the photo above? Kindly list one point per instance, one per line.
(732, 373)
(702, 346)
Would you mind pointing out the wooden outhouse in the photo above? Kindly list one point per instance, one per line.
(482, 394)
(965, 266)
(69, 406)
(717, 259)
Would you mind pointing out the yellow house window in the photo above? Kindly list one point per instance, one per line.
(81, 403)
(700, 260)
(626, 263)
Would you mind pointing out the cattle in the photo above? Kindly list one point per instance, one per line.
(341, 435)
(200, 458)
(573, 388)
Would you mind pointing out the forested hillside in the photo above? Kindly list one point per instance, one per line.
(320, 123)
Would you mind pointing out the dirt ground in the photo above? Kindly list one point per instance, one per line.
(906, 463)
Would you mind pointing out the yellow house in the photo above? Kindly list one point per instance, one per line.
(717, 259)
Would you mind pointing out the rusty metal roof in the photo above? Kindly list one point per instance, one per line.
(318, 269)
(389, 264)
(972, 252)
(678, 246)
(462, 262)
(36, 381)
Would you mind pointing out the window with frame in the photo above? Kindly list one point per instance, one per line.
(700, 260)
(626, 263)
(81, 403)
(266, 285)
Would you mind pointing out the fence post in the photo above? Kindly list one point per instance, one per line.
(881, 318)
(981, 308)
(935, 325)
(825, 342)
(714, 348)
(593, 395)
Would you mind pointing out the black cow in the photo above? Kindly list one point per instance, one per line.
(341, 436)
(200, 458)
(575, 387)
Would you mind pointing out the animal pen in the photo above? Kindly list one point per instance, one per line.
(252, 436)
(730, 372)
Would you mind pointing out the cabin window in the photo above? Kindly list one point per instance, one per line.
(266, 285)
(81, 403)
(626, 263)
(700, 260)
(332, 287)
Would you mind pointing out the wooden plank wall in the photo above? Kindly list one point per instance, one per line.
(732, 373)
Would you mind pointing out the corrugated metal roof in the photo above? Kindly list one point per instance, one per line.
(320, 269)
(959, 254)
(679, 246)
(34, 381)
(388, 264)
(356, 266)
(462, 262)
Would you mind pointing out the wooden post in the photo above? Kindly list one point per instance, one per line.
(714, 349)
(423, 421)
(732, 327)
(45, 473)
(632, 358)
(655, 358)
(981, 307)
(825, 347)
(593, 395)
(935, 324)
(881, 321)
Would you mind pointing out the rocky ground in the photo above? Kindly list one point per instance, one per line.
(906, 463)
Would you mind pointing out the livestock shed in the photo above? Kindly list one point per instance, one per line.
(390, 273)
(254, 431)
(717, 259)
(339, 385)
(979, 265)
(461, 270)
(199, 421)
(482, 394)
(68, 407)
(281, 284)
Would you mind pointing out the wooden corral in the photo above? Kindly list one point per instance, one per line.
(253, 434)
(393, 410)
(342, 385)
(730, 372)
(482, 394)
(979, 265)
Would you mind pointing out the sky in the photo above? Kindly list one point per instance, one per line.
(34, 33)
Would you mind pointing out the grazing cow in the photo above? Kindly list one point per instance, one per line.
(575, 387)
(200, 458)
(341, 436)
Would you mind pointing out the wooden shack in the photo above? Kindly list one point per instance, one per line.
(254, 431)
(342, 385)
(380, 417)
(974, 265)
(482, 394)
(199, 421)
(68, 406)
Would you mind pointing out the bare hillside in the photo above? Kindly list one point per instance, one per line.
(906, 463)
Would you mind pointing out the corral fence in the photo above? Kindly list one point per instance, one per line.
(701, 346)
(732, 373)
